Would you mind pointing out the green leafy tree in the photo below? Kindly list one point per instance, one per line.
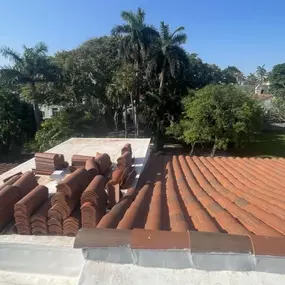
(17, 122)
(30, 68)
(233, 75)
(251, 82)
(277, 80)
(218, 114)
(78, 121)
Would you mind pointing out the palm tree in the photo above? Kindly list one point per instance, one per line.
(28, 69)
(137, 36)
(169, 58)
(261, 74)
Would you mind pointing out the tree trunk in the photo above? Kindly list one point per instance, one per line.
(161, 85)
(213, 150)
(116, 120)
(192, 148)
(36, 108)
(133, 111)
(136, 119)
(158, 140)
(125, 121)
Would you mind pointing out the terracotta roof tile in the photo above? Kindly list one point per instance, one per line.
(226, 195)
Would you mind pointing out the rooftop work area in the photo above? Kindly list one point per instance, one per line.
(180, 216)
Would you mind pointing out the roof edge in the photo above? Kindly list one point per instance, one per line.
(195, 242)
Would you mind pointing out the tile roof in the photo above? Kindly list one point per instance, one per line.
(4, 167)
(227, 195)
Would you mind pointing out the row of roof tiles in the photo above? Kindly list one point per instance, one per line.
(228, 195)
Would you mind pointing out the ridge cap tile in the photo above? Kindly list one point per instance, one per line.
(152, 239)
(262, 245)
(207, 242)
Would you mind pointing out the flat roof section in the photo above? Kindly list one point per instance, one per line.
(89, 146)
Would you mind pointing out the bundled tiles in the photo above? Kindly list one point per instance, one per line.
(9, 195)
(100, 164)
(47, 163)
(104, 163)
(39, 219)
(92, 168)
(94, 202)
(79, 161)
(72, 224)
(11, 192)
(27, 206)
(124, 174)
(26, 183)
(65, 200)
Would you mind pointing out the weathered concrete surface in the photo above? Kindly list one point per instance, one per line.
(39, 260)
(126, 274)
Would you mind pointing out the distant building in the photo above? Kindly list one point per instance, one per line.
(262, 88)
(49, 111)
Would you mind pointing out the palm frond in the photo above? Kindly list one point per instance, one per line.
(164, 31)
(178, 30)
(179, 39)
(11, 54)
(121, 29)
(178, 60)
(40, 48)
(141, 15)
(130, 17)
(11, 75)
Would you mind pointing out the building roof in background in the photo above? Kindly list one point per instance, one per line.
(264, 97)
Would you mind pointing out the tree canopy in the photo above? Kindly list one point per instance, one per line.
(218, 115)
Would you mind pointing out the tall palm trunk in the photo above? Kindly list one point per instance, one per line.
(162, 78)
(161, 85)
(125, 121)
(36, 108)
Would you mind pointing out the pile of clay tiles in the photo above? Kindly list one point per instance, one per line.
(100, 164)
(81, 198)
(20, 197)
(47, 163)
(66, 199)
(24, 209)
(123, 176)
(94, 202)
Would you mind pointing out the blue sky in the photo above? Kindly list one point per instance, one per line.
(244, 33)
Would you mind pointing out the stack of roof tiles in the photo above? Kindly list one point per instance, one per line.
(27, 206)
(11, 192)
(100, 164)
(47, 163)
(79, 161)
(94, 202)
(72, 224)
(66, 199)
(39, 219)
(122, 177)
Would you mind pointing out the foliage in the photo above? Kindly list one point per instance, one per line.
(218, 114)
(261, 74)
(137, 36)
(30, 68)
(277, 80)
(69, 122)
(17, 121)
